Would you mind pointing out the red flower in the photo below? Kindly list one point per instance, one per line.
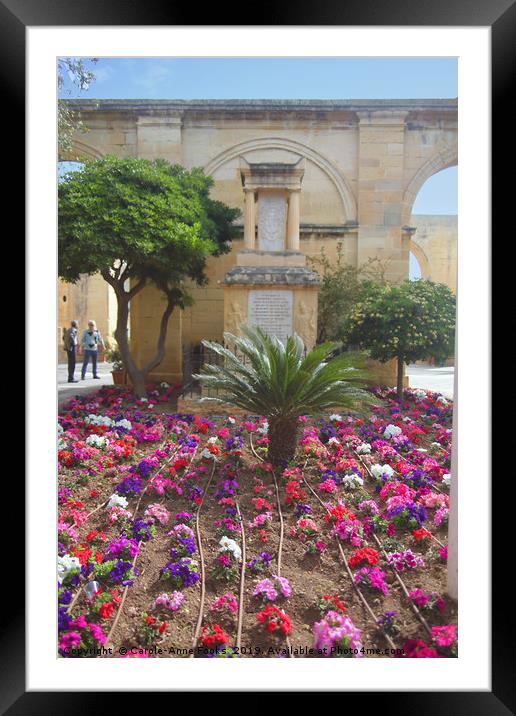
(218, 636)
(162, 627)
(366, 554)
(274, 618)
(421, 534)
(106, 610)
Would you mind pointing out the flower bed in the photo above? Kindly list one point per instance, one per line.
(363, 508)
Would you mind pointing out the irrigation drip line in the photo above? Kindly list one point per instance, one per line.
(280, 545)
(124, 597)
(366, 467)
(126, 590)
(203, 571)
(242, 582)
(103, 504)
(395, 572)
(78, 593)
(350, 573)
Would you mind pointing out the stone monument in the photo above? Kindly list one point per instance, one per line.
(271, 286)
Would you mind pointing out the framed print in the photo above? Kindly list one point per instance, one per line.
(244, 530)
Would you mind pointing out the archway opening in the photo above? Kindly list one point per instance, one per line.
(438, 195)
(414, 268)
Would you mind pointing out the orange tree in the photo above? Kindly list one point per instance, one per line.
(411, 321)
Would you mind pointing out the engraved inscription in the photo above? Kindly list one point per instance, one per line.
(272, 311)
(272, 216)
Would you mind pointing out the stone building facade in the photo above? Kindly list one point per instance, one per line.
(364, 163)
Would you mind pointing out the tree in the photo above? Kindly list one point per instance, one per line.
(411, 321)
(81, 77)
(342, 286)
(137, 222)
(275, 379)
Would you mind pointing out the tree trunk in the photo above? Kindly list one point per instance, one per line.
(160, 348)
(122, 339)
(282, 440)
(138, 377)
(399, 388)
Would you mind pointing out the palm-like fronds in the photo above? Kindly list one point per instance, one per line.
(276, 379)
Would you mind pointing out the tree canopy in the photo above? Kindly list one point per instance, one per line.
(411, 321)
(147, 220)
(342, 287)
(137, 221)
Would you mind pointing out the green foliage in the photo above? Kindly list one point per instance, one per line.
(411, 321)
(81, 77)
(113, 356)
(140, 220)
(272, 378)
(342, 287)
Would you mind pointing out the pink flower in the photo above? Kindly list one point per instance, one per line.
(444, 635)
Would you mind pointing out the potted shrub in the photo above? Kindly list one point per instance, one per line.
(118, 372)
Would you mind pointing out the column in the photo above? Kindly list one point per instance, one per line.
(249, 220)
(453, 518)
(380, 190)
(293, 221)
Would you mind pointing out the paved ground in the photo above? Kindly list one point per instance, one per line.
(420, 376)
(429, 377)
(68, 390)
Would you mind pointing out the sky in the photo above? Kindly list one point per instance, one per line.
(286, 78)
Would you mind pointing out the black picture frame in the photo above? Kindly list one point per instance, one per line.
(500, 16)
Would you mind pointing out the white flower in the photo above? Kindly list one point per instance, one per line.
(213, 440)
(93, 419)
(231, 420)
(124, 423)
(447, 479)
(207, 454)
(333, 441)
(421, 450)
(364, 449)
(229, 545)
(66, 564)
(335, 417)
(441, 400)
(378, 470)
(351, 482)
(117, 501)
(264, 428)
(97, 441)
(391, 430)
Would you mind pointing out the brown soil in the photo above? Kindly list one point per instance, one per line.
(310, 576)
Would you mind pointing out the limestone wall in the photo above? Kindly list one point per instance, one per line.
(365, 162)
(435, 246)
(88, 299)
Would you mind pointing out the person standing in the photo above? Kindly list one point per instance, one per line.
(91, 339)
(70, 346)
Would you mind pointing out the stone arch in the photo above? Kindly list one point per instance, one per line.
(344, 189)
(81, 149)
(422, 258)
(447, 157)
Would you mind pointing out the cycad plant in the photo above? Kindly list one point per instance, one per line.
(266, 376)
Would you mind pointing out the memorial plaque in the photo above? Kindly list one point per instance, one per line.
(272, 311)
(272, 217)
